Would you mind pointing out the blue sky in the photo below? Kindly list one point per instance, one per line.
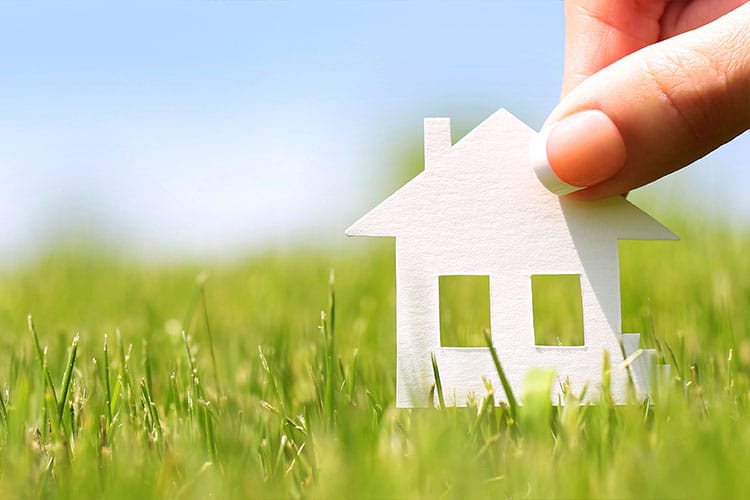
(208, 128)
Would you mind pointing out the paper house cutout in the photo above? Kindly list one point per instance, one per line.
(478, 209)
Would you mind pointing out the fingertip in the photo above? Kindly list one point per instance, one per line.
(542, 168)
(585, 148)
(582, 150)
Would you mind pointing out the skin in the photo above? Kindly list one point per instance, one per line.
(673, 77)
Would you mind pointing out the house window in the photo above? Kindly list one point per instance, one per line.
(558, 311)
(464, 310)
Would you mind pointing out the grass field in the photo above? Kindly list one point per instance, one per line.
(266, 397)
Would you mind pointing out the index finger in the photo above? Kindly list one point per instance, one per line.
(599, 32)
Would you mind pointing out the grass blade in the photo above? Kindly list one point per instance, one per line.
(67, 376)
(42, 358)
(153, 412)
(211, 350)
(107, 391)
(501, 373)
(438, 383)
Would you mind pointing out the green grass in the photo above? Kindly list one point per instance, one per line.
(265, 396)
(464, 303)
(557, 309)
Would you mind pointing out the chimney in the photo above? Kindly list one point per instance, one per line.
(437, 140)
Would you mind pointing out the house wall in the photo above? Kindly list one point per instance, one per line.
(419, 262)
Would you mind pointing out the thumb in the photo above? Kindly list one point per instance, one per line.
(650, 113)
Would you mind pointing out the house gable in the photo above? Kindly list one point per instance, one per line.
(487, 174)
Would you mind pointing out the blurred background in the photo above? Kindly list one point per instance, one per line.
(213, 129)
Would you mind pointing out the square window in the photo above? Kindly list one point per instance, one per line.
(464, 310)
(558, 310)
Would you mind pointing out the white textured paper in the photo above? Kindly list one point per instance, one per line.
(478, 208)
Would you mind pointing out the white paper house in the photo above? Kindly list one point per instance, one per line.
(478, 209)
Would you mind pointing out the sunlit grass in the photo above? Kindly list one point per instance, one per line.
(464, 310)
(162, 381)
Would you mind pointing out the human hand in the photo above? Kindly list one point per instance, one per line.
(648, 87)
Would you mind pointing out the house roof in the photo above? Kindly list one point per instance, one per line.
(486, 178)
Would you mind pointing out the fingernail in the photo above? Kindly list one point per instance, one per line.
(582, 150)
